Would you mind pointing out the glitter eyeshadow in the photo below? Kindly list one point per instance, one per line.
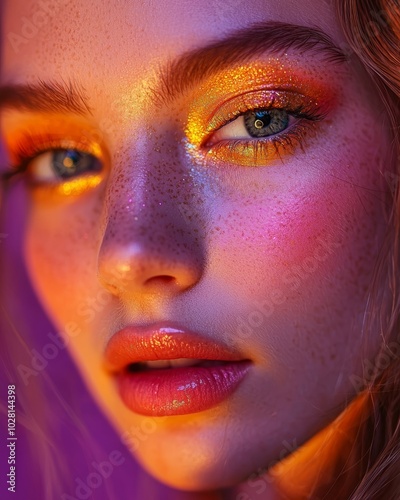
(29, 136)
(269, 85)
(70, 188)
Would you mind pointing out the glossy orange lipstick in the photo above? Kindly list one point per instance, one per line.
(167, 370)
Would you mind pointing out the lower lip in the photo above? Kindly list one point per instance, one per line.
(180, 391)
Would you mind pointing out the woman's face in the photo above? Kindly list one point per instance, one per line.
(236, 192)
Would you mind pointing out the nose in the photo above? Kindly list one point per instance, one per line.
(149, 247)
(149, 265)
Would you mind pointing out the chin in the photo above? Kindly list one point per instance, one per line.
(199, 464)
(195, 476)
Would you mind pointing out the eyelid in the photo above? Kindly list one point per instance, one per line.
(232, 127)
(201, 125)
(27, 136)
(291, 102)
(31, 145)
(302, 99)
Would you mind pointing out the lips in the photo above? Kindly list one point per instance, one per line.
(167, 370)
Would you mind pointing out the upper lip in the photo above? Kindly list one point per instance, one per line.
(162, 341)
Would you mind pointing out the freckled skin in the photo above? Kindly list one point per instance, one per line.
(275, 260)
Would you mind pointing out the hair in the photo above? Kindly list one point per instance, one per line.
(371, 465)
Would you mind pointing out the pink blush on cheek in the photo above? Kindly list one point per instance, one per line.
(288, 233)
(312, 233)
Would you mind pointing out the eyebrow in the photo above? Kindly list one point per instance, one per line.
(241, 46)
(177, 76)
(51, 97)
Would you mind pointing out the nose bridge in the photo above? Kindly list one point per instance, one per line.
(151, 236)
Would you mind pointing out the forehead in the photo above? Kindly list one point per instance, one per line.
(103, 39)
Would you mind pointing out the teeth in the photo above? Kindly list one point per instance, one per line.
(157, 364)
(172, 363)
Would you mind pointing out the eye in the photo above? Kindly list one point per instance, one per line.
(256, 123)
(255, 129)
(264, 122)
(61, 165)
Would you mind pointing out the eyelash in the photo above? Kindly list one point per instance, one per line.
(32, 146)
(255, 151)
(243, 152)
(261, 151)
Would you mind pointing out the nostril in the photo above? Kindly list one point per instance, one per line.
(136, 268)
(161, 279)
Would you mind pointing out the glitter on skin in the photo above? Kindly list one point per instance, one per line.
(272, 86)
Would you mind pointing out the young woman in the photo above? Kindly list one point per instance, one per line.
(212, 226)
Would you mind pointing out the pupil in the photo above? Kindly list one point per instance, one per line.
(259, 124)
(70, 162)
(70, 159)
(263, 119)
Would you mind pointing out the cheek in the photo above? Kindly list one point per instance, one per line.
(61, 253)
(320, 219)
(299, 254)
(333, 192)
